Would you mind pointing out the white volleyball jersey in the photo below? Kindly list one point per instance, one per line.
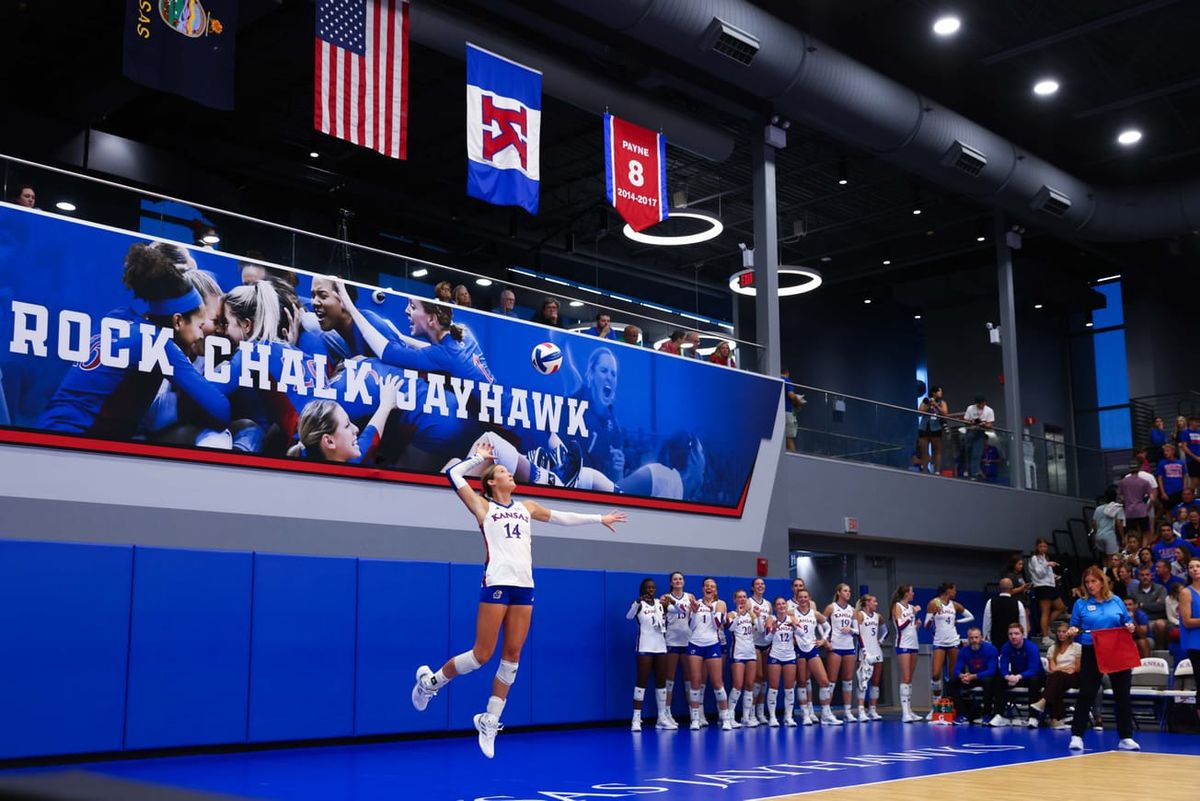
(677, 614)
(945, 634)
(745, 628)
(806, 630)
(652, 626)
(704, 625)
(907, 637)
(868, 632)
(507, 536)
(844, 627)
(764, 611)
(783, 641)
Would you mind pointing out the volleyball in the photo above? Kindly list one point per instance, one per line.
(546, 358)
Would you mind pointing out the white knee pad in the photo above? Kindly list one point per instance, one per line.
(719, 694)
(695, 696)
(825, 693)
(639, 693)
(466, 663)
(847, 687)
(507, 672)
(669, 685)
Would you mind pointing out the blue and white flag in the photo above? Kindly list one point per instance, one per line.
(504, 121)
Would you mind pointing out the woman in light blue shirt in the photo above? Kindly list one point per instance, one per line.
(1099, 609)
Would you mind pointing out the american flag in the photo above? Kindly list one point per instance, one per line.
(361, 89)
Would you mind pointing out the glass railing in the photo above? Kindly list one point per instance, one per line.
(841, 426)
(264, 244)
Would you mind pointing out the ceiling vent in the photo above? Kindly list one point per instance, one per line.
(1051, 201)
(731, 42)
(965, 159)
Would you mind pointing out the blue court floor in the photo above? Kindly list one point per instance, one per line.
(596, 763)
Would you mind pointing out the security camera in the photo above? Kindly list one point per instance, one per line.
(747, 256)
(379, 296)
(993, 334)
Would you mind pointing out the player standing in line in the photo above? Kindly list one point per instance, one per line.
(781, 662)
(762, 642)
(506, 596)
(704, 655)
(808, 660)
(651, 651)
(871, 632)
(904, 615)
(843, 646)
(801, 689)
(678, 606)
(942, 613)
(745, 625)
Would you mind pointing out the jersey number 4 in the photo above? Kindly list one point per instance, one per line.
(511, 531)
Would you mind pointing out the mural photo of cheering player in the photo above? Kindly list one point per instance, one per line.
(100, 349)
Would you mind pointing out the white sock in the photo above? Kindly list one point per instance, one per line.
(824, 695)
(789, 700)
(669, 686)
(734, 695)
(906, 698)
(660, 696)
(495, 706)
(639, 693)
(772, 700)
(748, 704)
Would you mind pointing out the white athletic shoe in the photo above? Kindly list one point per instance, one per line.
(695, 724)
(930, 715)
(1128, 744)
(830, 719)
(487, 725)
(666, 722)
(636, 725)
(726, 724)
(773, 722)
(1033, 722)
(762, 718)
(998, 721)
(812, 719)
(421, 693)
(732, 720)
(873, 714)
(849, 716)
(750, 722)
(909, 717)
(1076, 744)
(788, 720)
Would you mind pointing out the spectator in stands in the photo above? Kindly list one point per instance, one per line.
(1191, 529)
(26, 196)
(602, 327)
(1158, 438)
(1001, 611)
(1133, 544)
(930, 426)
(443, 292)
(1141, 626)
(632, 335)
(1108, 523)
(1134, 492)
(690, 345)
(1014, 571)
(975, 667)
(723, 355)
(1189, 446)
(1172, 476)
(1172, 608)
(792, 404)
(548, 313)
(989, 466)
(1151, 599)
(979, 418)
(1020, 665)
(1124, 578)
(462, 296)
(1164, 548)
(1164, 576)
(508, 301)
(1187, 502)
(1113, 564)
(1045, 586)
(1183, 554)
(1145, 558)
(1062, 662)
(673, 343)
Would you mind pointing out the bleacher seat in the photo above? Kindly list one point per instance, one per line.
(1166, 656)
(1185, 679)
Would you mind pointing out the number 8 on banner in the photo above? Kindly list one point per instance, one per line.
(635, 171)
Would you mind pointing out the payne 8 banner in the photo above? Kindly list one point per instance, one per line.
(116, 343)
(635, 172)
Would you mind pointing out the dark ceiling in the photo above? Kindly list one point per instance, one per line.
(1119, 63)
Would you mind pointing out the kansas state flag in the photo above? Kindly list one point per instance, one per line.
(504, 121)
(182, 46)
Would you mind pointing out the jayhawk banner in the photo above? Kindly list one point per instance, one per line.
(504, 124)
(185, 47)
(635, 172)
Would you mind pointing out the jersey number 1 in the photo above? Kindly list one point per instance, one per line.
(511, 531)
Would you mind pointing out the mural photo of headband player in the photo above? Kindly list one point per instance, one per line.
(164, 349)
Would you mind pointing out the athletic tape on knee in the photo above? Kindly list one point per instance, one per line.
(905, 692)
(639, 693)
(507, 672)
(719, 694)
(825, 693)
(847, 687)
(466, 663)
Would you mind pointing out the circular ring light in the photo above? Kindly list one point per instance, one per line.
(714, 230)
(742, 282)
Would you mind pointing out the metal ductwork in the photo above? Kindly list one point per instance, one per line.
(813, 83)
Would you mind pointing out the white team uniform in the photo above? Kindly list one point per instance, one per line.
(745, 629)
(783, 641)
(908, 635)
(945, 634)
(806, 631)
(507, 536)
(652, 626)
(703, 625)
(844, 628)
(764, 610)
(677, 614)
(870, 631)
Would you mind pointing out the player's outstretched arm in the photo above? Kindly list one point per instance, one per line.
(457, 475)
(541, 513)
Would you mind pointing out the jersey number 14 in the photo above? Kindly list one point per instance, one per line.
(512, 530)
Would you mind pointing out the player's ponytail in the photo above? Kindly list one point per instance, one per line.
(257, 303)
(485, 477)
(444, 315)
(862, 601)
(900, 592)
(318, 419)
(152, 276)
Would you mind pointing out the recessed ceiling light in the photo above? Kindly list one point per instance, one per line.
(867, 301)
(1045, 87)
(981, 238)
(64, 205)
(421, 273)
(826, 258)
(314, 155)
(1037, 305)
(886, 262)
(483, 281)
(1129, 137)
(916, 317)
(842, 182)
(916, 211)
(210, 239)
(947, 25)
(575, 304)
(1088, 324)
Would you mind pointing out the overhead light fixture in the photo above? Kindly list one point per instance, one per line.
(742, 282)
(916, 211)
(1037, 305)
(575, 304)
(210, 239)
(886, 262)
(1088, 324)
(981, 238)
(1045, 87)
(916, 317)
(314, 155)
(1108, 278)
(842, 175)
(712, 232)
(421, 273)
(827, 259)
(483, 282)
(947, 25)
(1129, 137)
(64, 205)
(867, 301)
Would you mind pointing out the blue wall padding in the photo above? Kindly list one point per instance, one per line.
(189, 650)
(302, 647)
(64, 625)
(620, 589)
(403, 622)
(566, 652)
(468, 696)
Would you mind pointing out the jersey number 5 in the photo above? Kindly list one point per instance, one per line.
(511, 531)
